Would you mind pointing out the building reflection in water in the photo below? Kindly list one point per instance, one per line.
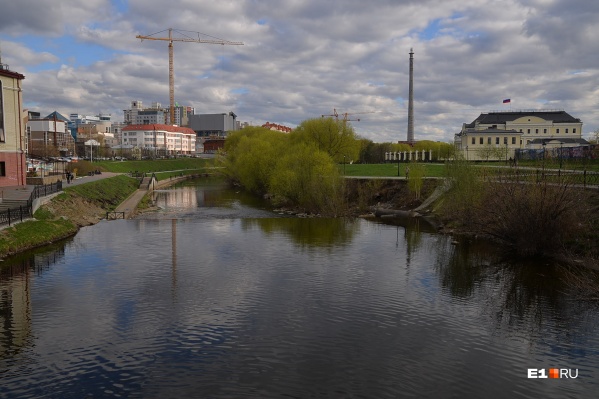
(15, 297)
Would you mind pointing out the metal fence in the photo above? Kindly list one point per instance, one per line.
(18, 214)
(45, 189)
(582, 178)
(10, 216)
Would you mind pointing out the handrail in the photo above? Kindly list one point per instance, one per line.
(11, 215)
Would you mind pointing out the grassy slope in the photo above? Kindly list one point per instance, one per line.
(48, 226)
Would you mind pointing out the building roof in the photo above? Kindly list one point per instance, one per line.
(160, 127)
(275, 126)
(488, 131)
(58, 116)
(496, 118)
(4, 71)
(492, 131)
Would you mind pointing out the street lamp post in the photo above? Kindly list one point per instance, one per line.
(544, 149)
(561, 154)
(398, 164)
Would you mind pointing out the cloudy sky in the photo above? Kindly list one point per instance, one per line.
(304, 58)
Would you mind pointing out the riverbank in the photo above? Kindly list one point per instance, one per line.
(88, 203)
(63, 216)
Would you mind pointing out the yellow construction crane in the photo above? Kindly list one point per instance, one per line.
(171, 73)
(346, 115)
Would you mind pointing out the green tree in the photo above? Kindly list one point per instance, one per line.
(447, 151)
(336, 138)
(251, 156)
(309, 178)
(371, 152)
(487, 151)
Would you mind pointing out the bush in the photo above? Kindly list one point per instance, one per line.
(465, 195)
(415, 178)
(532, 217)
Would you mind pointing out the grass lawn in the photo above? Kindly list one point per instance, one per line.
(389, 169)
(158, 165)
(168, 174)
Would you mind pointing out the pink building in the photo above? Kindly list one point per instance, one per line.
(13, 166)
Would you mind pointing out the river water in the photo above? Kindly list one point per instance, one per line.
(216, 296)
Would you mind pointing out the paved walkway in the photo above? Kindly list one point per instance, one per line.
(87, 179)
(128, 206)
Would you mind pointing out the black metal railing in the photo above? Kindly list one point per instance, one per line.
(43, 190)
(582, 178)
(18, 214)
(10, 216)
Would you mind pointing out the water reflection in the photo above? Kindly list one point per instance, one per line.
(15, 295)
(530, 298)
(208, 198)
(308, 232)
(273, 307)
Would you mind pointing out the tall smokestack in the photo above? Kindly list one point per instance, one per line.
(411, 100)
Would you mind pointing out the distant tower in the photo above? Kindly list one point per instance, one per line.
(411, 100)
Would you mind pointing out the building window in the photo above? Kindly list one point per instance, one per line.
(488, 140)
(482, 141)
(544, 130)
(574, 130)
(2, 168)
(505, 140)
(496, 140)
(566, 130)
(537, 131)
(528, 131)
(557, 131)
(513, 140)
(2, 134)
(473, 140)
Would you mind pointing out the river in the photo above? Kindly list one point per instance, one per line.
(216, 296)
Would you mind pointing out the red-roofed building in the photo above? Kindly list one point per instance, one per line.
(172, 139)
(278, 128)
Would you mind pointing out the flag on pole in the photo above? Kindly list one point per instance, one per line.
(507, 101)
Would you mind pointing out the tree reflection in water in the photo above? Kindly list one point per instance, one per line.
(519, 295)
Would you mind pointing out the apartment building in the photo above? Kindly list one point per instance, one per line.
(13, 166)
(174, 140)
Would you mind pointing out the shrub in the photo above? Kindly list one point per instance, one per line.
(533, 218)
(416, 178)
(465, 194)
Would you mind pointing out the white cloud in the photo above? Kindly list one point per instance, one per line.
(302, 58)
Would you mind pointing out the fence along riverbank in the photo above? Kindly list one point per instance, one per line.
(16, 209)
